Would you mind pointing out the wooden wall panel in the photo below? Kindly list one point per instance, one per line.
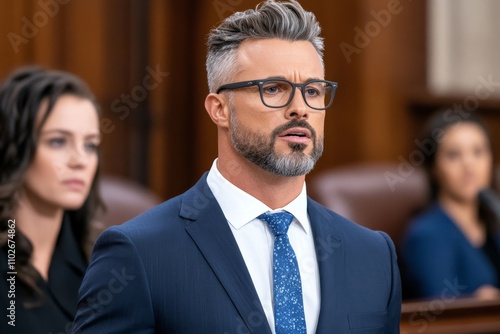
(45, 47)
(15, 46)
(173, 149)
(389, 74)
(89, 38)
(160, 15)
(84, 44)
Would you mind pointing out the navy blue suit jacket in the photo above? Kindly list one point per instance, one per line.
(177, 269)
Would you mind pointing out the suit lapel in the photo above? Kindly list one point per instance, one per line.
(331, 260)
(66, 271)
(211, 233)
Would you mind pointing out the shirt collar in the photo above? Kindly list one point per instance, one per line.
(241, 208)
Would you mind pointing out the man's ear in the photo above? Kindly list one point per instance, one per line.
(218, 109)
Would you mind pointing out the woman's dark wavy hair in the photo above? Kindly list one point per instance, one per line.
(21, 96)
(437, 124)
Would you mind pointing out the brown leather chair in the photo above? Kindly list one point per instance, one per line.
(124, 199)
(379, 196)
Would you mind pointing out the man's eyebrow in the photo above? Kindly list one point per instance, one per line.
(280, 77)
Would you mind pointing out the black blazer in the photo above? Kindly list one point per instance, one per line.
(58, 310)
(177, 269)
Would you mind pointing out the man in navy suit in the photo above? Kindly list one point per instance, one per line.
(207, 260)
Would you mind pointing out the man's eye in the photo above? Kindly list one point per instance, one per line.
(312, 92)
(271, 89)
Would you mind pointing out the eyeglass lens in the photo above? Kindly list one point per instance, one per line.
(276, 93)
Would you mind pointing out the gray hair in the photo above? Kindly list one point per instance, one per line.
(270, 19)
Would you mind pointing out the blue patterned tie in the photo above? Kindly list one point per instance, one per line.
(287, 288)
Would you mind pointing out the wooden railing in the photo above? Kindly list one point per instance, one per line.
(445, 316)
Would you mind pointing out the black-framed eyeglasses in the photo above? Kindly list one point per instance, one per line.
(278, 93)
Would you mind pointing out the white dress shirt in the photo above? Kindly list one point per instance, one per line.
(255, 241)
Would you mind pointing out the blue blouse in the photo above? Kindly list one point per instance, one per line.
(439, 261)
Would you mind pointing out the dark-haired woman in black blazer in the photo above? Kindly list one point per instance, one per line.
(49, 139)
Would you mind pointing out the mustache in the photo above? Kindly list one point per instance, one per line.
(294, 124)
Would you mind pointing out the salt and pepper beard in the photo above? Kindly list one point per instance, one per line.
(260, 149)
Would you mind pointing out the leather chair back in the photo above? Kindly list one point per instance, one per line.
(379, 196)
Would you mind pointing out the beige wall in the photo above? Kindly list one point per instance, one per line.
(464, 45)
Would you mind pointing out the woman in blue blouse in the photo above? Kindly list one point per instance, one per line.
(453, 248)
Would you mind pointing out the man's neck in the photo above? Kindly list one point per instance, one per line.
(275, 191)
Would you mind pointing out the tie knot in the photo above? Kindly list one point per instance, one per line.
(279, 222)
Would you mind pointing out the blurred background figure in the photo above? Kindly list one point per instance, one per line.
(49, 139)
(453, 248)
